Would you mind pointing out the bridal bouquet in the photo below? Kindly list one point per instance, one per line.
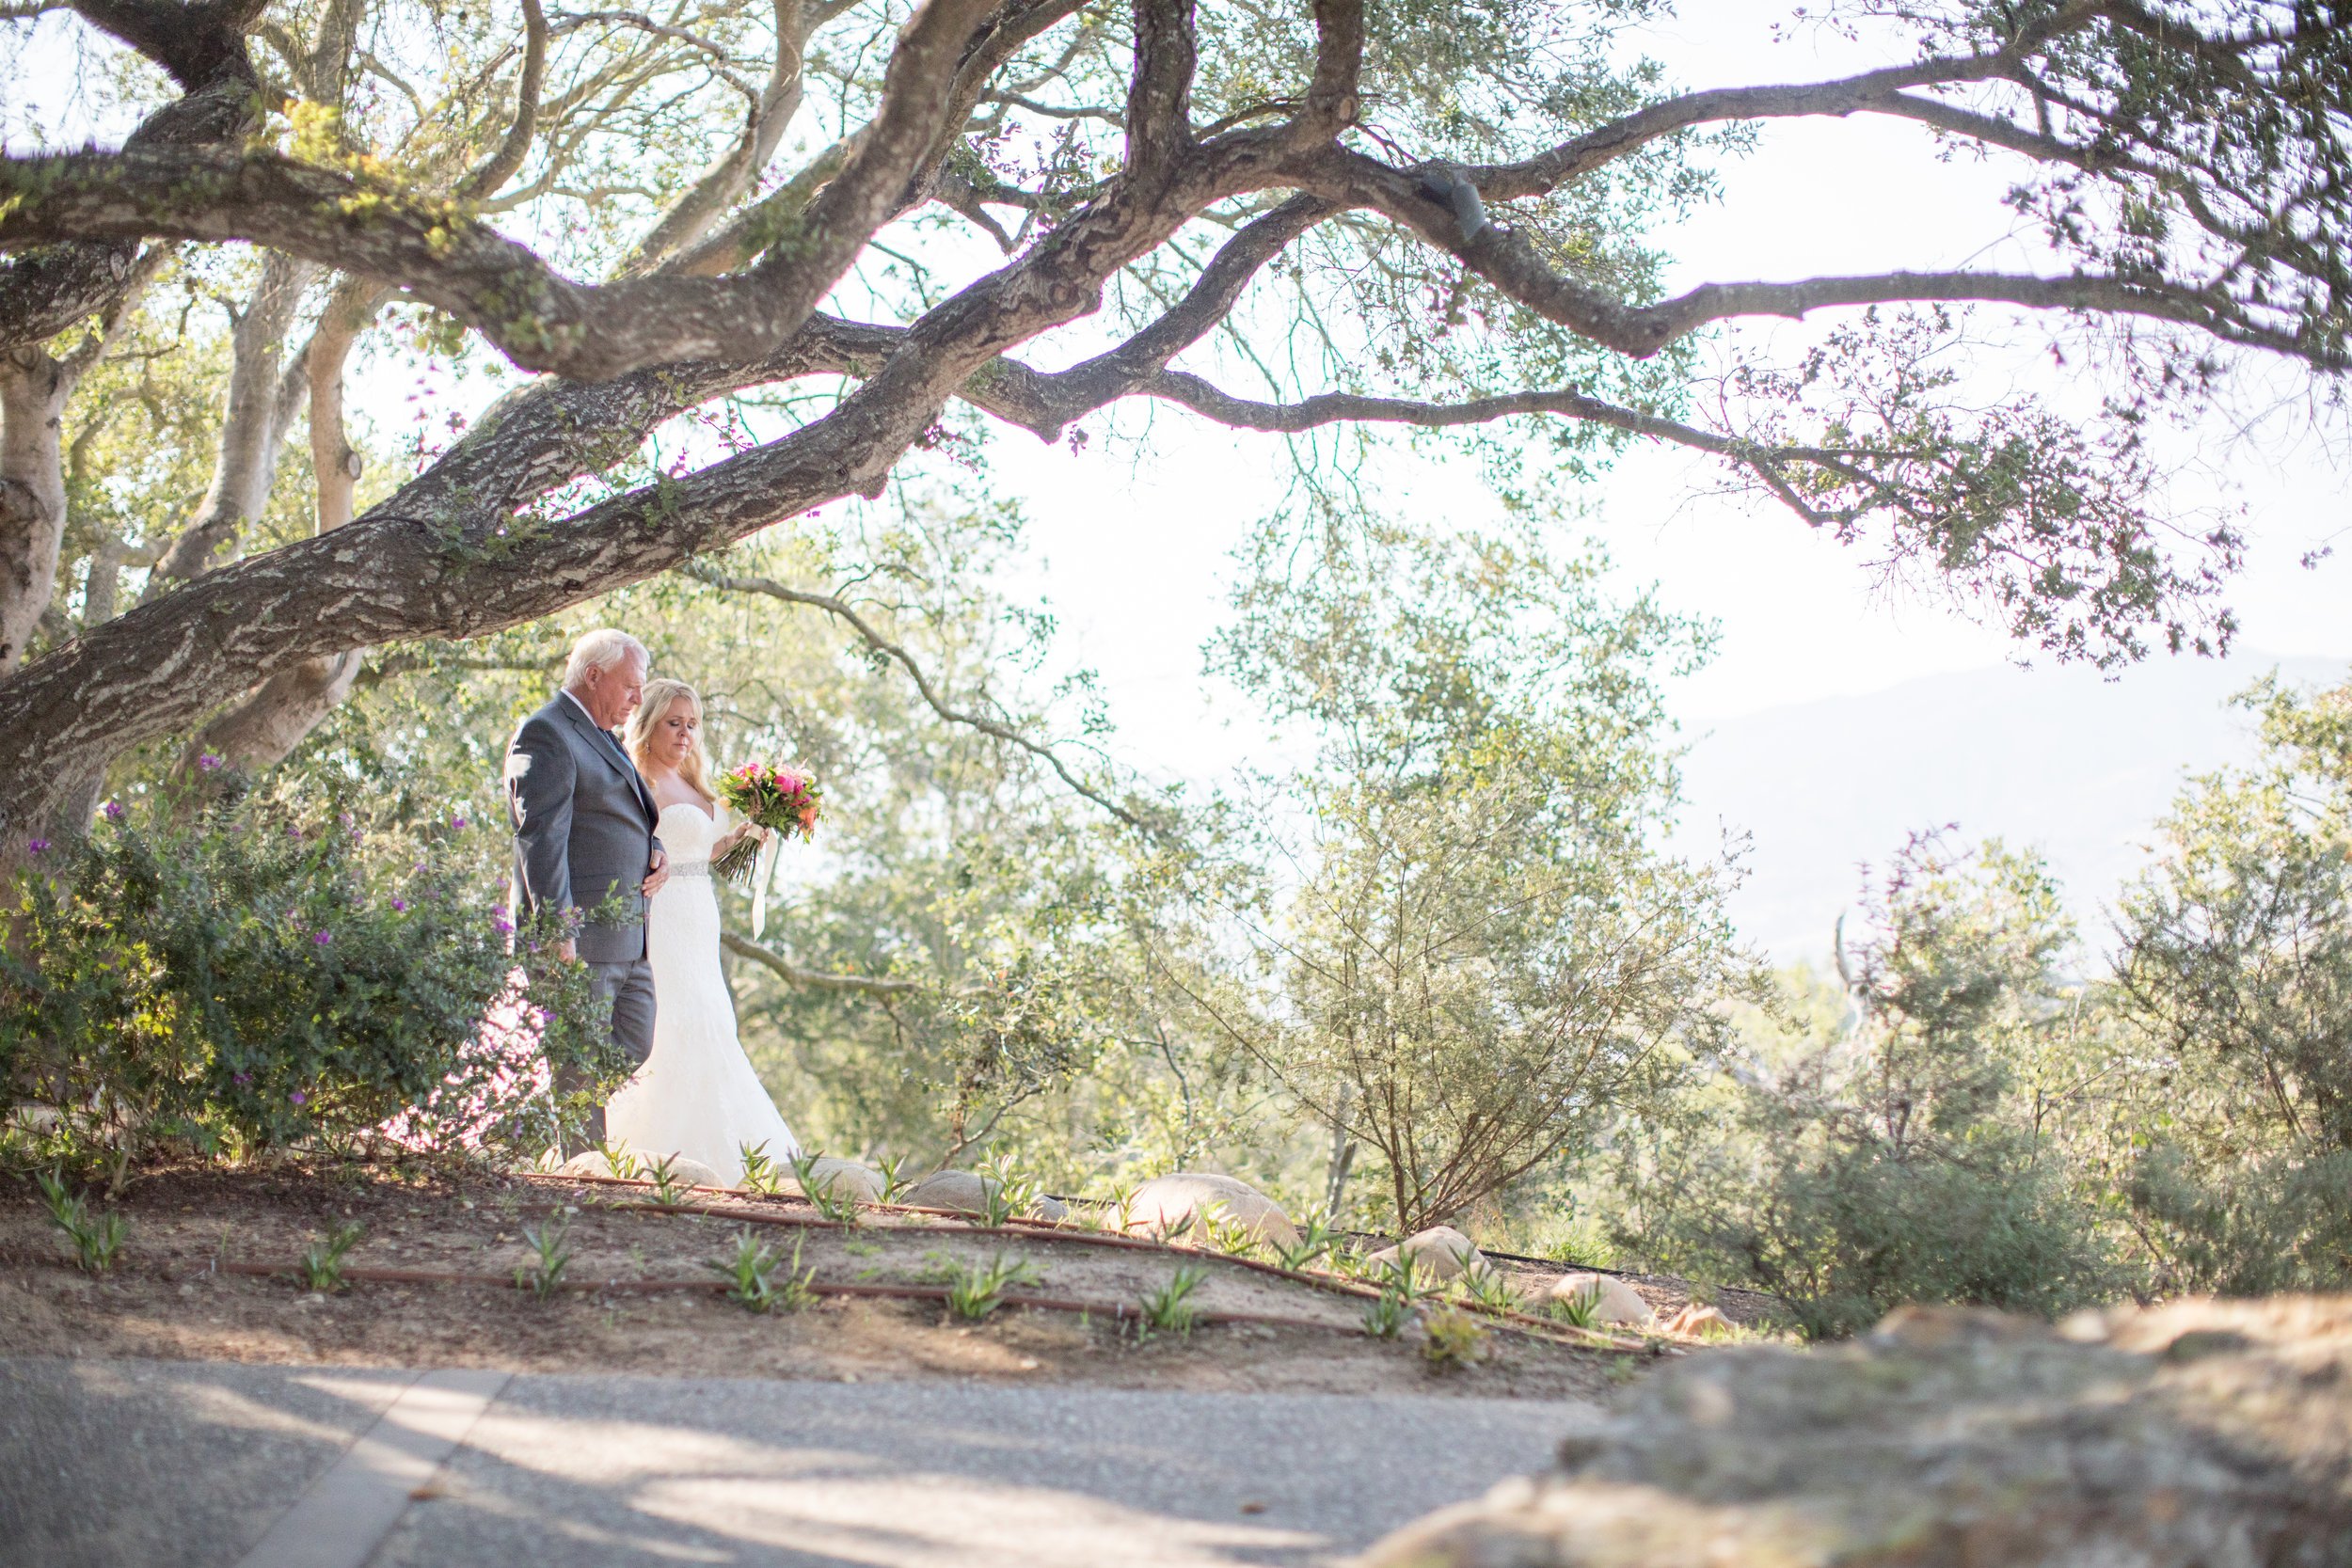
(782, 799)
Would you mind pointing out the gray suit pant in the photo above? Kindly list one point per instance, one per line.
(629, 987)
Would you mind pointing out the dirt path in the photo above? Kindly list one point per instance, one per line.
(210, 1466)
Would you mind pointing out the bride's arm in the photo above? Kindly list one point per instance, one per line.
(735, 832)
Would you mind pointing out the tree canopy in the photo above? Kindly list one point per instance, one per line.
(899, 224)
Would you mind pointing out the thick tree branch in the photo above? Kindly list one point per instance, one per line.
(729, 179)
(539, 318)
(46, 289)
(1506, 260)
(1863, 93)
(816, 979)
(1159, 94)
(503, 163)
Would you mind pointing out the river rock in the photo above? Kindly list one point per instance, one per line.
(1166, 1200)
(1613, 1301)
(2196, 1434)
(1439, 1253)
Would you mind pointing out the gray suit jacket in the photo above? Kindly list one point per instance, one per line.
(583, 822)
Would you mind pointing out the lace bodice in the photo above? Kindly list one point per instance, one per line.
(688, 834)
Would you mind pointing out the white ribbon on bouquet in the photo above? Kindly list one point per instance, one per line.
(763, 878)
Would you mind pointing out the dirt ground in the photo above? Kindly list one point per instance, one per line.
(170, 1295)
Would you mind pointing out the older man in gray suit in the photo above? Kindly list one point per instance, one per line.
(583, 820)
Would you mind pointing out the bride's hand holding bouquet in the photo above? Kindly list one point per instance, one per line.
(772, 796)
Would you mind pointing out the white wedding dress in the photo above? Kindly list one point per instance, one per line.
(696, 1096)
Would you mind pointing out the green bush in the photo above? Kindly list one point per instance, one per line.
(2275, 1221)
(1897, 1153)
(1843, 1231)
(254, 976)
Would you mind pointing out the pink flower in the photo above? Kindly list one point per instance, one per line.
(298, 1098)
(322, 938)
(400, 905)
(207, 763)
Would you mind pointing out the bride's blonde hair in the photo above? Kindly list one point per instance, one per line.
(694, 766)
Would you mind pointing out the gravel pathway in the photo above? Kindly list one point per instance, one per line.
(216, 1465)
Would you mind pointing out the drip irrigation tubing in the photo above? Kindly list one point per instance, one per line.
(751, 1211)
(1116, 1311)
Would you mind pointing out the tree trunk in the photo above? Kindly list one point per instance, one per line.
(263, 729)
(33, 390)
(252, 432)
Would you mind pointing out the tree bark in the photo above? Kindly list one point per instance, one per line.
(263, 729)
(252, 429)
(34, 387)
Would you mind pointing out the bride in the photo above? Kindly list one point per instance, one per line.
(696, 1096)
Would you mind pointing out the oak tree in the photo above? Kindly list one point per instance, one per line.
(1277, 216)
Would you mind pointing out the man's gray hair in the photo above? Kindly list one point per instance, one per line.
(601, 649)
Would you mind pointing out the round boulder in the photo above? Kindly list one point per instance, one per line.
(1438, 1253)
(683, 1171)
(844, 1178)
(967, 1193)
(1165, 1201)
(1695, 1321)
(964, 1190)
(1613, 1301)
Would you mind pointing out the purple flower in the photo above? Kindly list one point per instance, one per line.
(323, 937)
(542, 1015)
(36, 845)
(207, 763)
(298, 1098)
(114, 811)
(457, 819)
(400, 905)
(501, 921)
(241, 1079)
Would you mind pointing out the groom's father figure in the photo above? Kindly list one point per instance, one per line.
(583, 820)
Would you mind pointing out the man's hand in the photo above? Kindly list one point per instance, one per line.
(567, 950)
(660, 873)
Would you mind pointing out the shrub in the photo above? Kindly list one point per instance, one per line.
(255, 978)
(1452, 1339)
(2272, 1222)
(1897, 1159)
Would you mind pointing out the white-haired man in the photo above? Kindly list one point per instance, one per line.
(585, 845)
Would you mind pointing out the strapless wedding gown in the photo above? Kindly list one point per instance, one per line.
(696, 1095)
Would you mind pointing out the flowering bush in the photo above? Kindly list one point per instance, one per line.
(251, 981)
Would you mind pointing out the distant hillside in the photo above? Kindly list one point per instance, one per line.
(2058, 758)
